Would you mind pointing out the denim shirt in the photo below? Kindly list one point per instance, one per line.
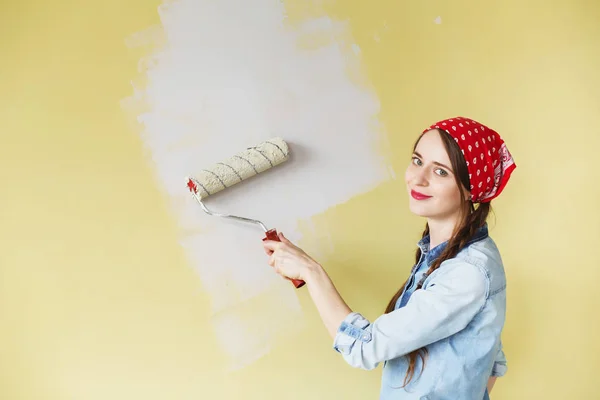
(458, 315)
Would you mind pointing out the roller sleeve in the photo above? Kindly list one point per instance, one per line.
(242, 166)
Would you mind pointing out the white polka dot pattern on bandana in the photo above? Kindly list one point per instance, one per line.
(491, 163)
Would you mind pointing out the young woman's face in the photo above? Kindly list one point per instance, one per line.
(430, 181)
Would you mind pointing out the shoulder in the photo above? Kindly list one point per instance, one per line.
(485, 255)
(478, 265)
(483, 252)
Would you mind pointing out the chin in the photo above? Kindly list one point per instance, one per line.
(421, 210)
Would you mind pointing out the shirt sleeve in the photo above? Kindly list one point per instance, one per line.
(500, 367)
(456, 293)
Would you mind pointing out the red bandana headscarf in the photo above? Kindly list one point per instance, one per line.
(488, 160)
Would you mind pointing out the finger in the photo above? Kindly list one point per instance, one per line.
(267, 251)
(283, 238)
(280, 272)
(271, 244)
(272, 260)
(286, 241)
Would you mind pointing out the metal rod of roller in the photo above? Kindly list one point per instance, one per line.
(206, 210)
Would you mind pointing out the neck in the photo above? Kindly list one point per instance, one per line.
(440, 231)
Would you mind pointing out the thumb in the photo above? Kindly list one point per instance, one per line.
(283, 238)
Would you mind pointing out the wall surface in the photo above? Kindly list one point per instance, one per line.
(115, 285)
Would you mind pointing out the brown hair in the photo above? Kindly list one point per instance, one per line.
(471, 220)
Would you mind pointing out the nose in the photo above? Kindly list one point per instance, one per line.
(420, 177)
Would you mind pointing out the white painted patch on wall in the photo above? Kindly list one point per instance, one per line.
(230, 75)
(438, 20)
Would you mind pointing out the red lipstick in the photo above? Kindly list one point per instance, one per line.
(418, 196)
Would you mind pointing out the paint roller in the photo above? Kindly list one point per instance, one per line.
(235, 169)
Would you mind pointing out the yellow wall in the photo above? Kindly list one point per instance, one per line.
(96, 299)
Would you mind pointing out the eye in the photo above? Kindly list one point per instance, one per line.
(441, 172)
(417, 161)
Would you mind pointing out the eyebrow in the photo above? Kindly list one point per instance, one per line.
(435, 162)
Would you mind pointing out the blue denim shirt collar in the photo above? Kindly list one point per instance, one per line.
(434, 253)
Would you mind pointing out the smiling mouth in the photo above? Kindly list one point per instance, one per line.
(419, 196)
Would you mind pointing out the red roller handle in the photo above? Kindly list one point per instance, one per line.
(271, 234)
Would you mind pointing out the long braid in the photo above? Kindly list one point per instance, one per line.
(471, 223)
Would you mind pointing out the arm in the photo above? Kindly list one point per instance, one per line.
(457, 292)
(332, 308)
(292, 262)
(454, 297)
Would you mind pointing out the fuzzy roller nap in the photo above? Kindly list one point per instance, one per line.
(237, 168)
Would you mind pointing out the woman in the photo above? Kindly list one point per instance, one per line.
(440, 335)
